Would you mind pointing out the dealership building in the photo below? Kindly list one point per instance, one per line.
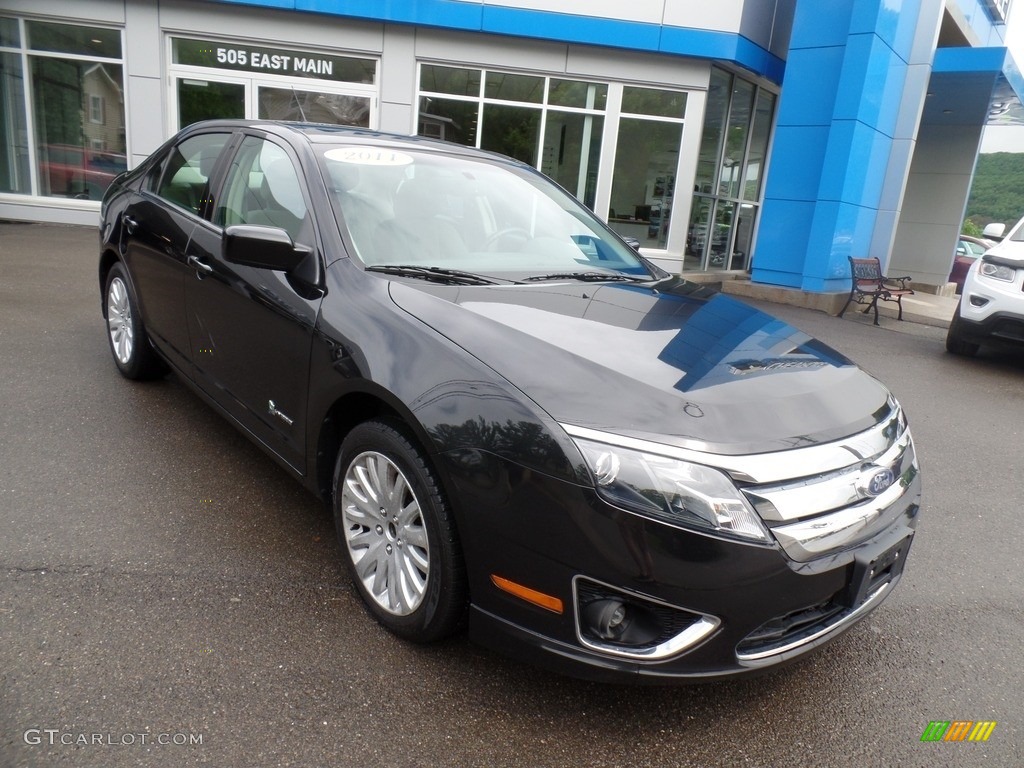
(769, 138)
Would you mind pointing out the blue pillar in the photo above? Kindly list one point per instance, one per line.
(841, 96)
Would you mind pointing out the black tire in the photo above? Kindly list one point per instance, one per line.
(126, 335)
(397, 534)
(955, 343)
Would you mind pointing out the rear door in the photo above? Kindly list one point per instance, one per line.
(157, 226)
(251, 330)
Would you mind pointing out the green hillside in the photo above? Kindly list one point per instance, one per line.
(998, 191)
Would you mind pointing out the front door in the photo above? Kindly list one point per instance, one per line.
(251, 330)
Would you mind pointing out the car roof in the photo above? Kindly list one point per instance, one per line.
(323, 133)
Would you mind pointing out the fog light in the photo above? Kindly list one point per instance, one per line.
(606, 618)
(634, 626)
(978, 301)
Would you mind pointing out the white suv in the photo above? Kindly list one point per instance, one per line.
(991, 309)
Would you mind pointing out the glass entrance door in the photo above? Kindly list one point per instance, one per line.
(206, 99)
(287, 103)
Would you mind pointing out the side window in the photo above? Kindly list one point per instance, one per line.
(263, 188)
(188, 168)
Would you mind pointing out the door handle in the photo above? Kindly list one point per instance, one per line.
(198, 266)
(130, 224)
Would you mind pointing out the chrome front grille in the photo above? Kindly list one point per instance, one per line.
(817, 499)
(813, 515)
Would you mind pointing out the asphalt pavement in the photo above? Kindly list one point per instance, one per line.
(169, 597)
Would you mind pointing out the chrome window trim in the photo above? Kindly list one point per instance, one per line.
(774, 467)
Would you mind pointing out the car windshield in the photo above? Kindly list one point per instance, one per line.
(429, 209)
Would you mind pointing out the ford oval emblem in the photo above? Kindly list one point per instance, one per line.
(875, 483)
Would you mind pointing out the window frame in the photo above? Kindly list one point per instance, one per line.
(26, 55)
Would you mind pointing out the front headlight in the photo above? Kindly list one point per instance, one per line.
(675, 491)
(998, 271)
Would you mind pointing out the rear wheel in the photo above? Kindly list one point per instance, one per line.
(129, 344)
(955, 343)
(398, 534)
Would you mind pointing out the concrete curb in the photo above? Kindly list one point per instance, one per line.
(921, 308)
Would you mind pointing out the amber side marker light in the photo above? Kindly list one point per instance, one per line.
(547, 602)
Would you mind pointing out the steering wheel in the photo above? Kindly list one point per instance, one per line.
(514, 233)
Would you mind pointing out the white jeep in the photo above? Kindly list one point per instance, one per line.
(991, 309)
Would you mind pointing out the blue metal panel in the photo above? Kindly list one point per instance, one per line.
(969, 60)
(871, 86)
(798, 177)
(855, 164)
(786, 225)
(548, 25)
(572, 29)
(826, 24)
(449, 14)
(892, 23)
(840, 230)
(805, 102)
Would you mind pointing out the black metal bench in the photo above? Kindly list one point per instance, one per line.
(869, 285)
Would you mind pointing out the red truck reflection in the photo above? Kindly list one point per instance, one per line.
(69, 171)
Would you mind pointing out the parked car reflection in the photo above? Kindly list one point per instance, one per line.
(68, 170)
(967, 250)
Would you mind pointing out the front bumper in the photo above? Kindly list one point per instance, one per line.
(752, 607)
(992, 311)
(996, 327)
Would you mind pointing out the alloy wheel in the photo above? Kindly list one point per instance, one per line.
(119, 321)
(385, 533)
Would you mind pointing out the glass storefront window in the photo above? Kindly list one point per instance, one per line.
(512, 131)
(730, 169)
(70, 38)
(759, 145)
(572, 151)
(573, 93)
(511, 114)
(208, 99)
(697, 234)
(508, 87)
(654, 102)
(9, 36)
(643, 181)
(74, 85)
(711, 140)
(78, 156)
(272, 61)
(449, 120)
(736, 139)
(14, 150)
(460, 82)
(313, 106)
(230, 80)
(558, 125)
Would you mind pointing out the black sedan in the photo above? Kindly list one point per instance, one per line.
(514, 417)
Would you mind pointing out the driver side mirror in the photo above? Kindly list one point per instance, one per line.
(262, 248)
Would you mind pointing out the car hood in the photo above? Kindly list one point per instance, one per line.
(668, 361)
(1008, 252)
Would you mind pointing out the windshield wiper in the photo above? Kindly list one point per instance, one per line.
(592, 277)
(438, 274)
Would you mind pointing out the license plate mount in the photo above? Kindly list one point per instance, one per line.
(876, 566)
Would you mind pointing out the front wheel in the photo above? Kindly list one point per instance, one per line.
(129, 344)
(398, 533)
(955, 343)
